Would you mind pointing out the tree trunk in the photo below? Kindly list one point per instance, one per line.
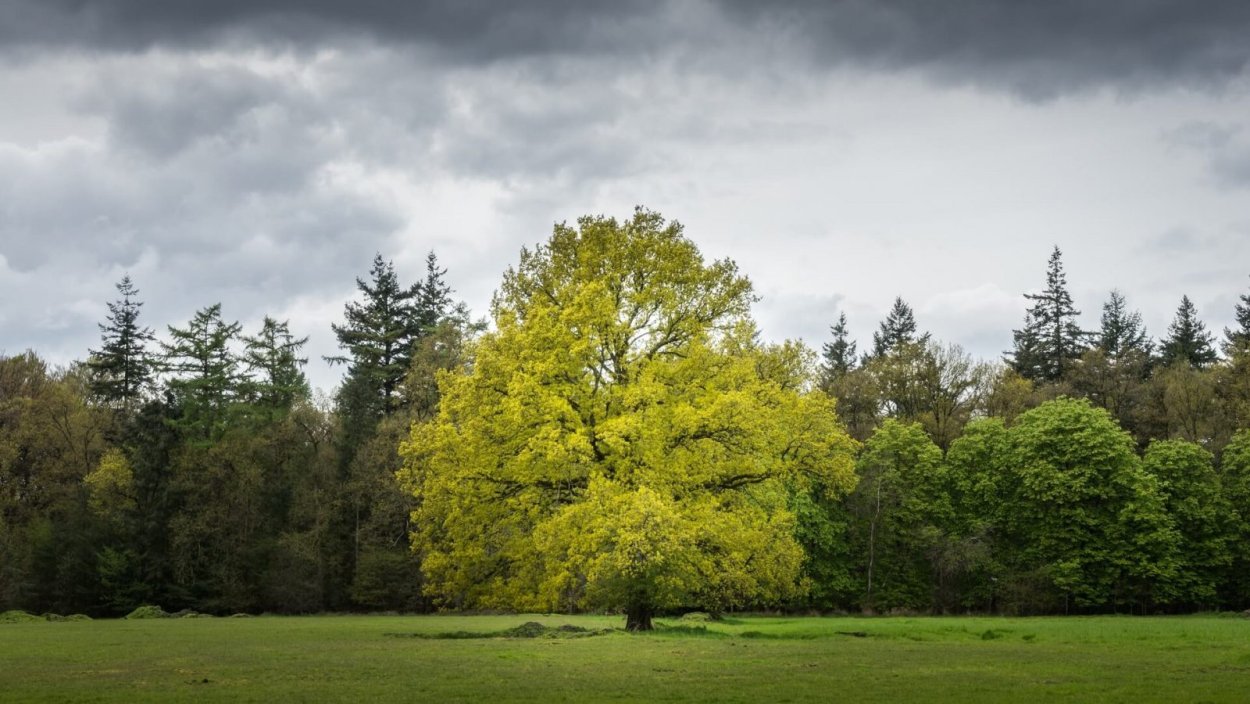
(638, 618)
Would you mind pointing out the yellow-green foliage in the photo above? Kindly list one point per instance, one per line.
(622, 438)
(111, 484)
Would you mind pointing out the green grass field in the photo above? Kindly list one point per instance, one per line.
(396, 658)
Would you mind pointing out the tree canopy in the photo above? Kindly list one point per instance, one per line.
(622, 440)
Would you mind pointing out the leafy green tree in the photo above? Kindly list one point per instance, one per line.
(978, 478)
(1007, 394)
(837, 355)
(1051, 342)
(898, 507)
(1190, 487)
(50, 440)
(206, 376)
(1188, 341)
(1235, 487)
(614, 444)
(1186, 407)
(898, 328)
(1119, 384)
(1087, 526)
(938, 386)
(122, 369)
(1237, 338)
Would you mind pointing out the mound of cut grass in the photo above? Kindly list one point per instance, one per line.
(147, 611)
(16, 616)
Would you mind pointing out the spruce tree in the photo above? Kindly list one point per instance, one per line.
(1237, 338)
(122, 368)
(837, 355)
(1050, 342)
(379, 335)
(432, 302)
(206, 371)
(1122, 330)
(898, 329)
(1188, 340)
(273, 357)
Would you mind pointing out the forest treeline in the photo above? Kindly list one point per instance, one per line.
(1087, 471)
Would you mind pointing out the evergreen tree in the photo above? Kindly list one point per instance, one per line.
(122, 368)
(1050, 342)
(898, 328)
(837, 355)
(1237, 339)
(207, 376)
(273, 355)
(1122, 330)
(432, 302)
(1188, 340)
(379, 335)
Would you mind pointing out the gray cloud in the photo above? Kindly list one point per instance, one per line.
(1224, 147)
(1035, 49)
(475, 30)
(259, 153)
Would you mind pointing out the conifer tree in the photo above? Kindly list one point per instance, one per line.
(1122, 330)
(837, 355)
(1188, 340)
(273, 356)
(122, 368)
(898, 328)
(206, 371)
(1050, 342)
(1237, 338)
(378, 336)
(432, 301)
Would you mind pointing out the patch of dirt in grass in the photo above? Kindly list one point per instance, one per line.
(529, 629)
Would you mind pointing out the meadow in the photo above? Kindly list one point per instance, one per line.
(754, 658)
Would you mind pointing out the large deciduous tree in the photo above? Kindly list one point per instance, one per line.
(622, 440)
(1087, 523)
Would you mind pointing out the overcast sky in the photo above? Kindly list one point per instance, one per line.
(259, 152)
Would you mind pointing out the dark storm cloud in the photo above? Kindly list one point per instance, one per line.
(1035, 49)
(471, 29)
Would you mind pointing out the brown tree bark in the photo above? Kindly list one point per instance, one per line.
(638, 618)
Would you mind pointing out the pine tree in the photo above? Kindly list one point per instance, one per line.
(898, 328)
(1050, 342)
(273, 356)
(379, 335)
(1122, 330)
(207, 377)
(1188, 340)
(1237, 339)
(837, 355)
(122, 368)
